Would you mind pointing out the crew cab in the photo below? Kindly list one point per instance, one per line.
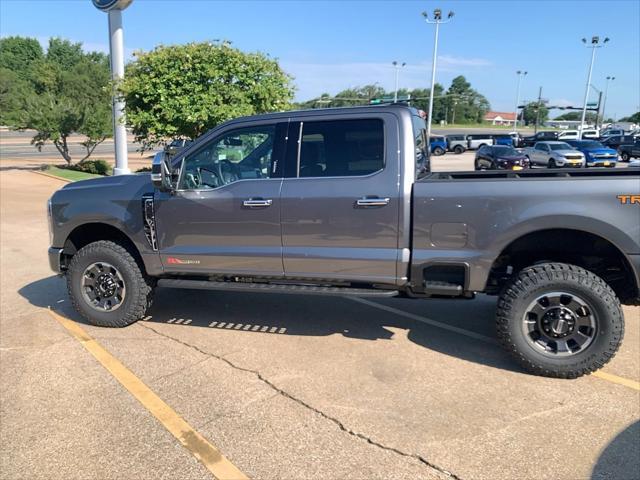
(554, 155)
(539, 137)
(628, 151)
(595, 154)
(614, 141)
(339, 202)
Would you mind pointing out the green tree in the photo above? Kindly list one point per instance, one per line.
(184, 90)
(66, 92)
(530, 113)
(577, 116)
(635, 118)
(19, 53)
(466, 104)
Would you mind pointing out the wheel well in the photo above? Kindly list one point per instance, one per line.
(576, 247)
(92, 232)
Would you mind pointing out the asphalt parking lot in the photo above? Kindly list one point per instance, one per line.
(290, 387)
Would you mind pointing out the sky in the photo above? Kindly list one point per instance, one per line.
(328, 46)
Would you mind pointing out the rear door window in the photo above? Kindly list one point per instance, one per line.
(341, 148)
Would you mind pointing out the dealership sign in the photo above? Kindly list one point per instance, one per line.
(107, 5)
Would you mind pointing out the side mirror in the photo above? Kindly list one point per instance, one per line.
(160, 172)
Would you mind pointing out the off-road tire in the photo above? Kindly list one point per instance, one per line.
(438, 151)
(625, 156)
(139, 286)
(536, 280)
(458, 149)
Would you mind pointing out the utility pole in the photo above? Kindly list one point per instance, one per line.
(520, 74)
(606, 90)
(598, 112)
(437, 20)
(595, 43)
(535, 127)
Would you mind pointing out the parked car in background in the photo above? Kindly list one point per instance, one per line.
(500, 157)
(539, 137)
(590, 133)
(595, 154)
(438, 145)
(456, 143)
(176, 145)
(568, 135)
(609, 132)
(614, 141)
(503, 140)
(554, 155)
(629, 150)
(478, 140)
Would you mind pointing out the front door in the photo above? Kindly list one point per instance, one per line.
(340, 199)
(224, 216)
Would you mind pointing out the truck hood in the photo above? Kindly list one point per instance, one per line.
(112, 181)
(600, 151)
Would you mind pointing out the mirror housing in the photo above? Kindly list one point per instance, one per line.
(160, 172)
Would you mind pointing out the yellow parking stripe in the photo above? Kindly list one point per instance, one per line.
(207, 454)
(609, 377)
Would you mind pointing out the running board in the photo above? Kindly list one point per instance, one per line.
(443, 288)
(275, 288)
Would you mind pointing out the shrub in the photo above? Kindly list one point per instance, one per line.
(143, 170)
(97, 167)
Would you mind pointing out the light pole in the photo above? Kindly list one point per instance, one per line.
(397, 66)
(606, 90)
(520, 73)
(595, 43)
(116, 52)
(437, 20)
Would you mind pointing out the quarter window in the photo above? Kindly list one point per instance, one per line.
(238, 155)
(341, 148)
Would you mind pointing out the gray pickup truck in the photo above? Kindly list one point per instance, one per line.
(341, 202)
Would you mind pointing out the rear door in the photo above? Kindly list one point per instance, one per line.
(340, 198)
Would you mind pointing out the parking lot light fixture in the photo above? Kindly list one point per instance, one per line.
(595, 43)
(606, 90)
(437, 20)
(521, 74)
(397, 66)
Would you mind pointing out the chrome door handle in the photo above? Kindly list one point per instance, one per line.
(372, 202)
(257, 203)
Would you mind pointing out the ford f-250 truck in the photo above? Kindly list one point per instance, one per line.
(339, 202)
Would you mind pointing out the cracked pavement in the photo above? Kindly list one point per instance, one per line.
(289, 387)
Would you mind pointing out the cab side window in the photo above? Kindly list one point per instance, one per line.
(237, 155)
(341, 148)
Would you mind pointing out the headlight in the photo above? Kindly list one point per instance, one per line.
(50, 221)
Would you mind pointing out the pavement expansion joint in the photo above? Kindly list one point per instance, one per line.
(304, 404)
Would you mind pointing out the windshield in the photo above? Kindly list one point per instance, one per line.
(505, 151)
(560, 146)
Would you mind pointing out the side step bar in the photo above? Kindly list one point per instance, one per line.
(443, 288)
(274, 288)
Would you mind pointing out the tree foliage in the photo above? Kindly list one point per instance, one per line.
(577, 116)
(635, 118)
(18, 54)
(530, 113)
(185, 90)
(61, 93)
(459, 104)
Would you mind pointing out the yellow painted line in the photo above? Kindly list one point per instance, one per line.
(207, 454)
(609, 377)
(65, 180)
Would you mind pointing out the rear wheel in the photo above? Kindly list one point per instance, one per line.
(438, 151)
(559, 320)
(458, 149)
(107, 286)
(625, 156)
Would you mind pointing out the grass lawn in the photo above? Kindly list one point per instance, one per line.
(69, 174)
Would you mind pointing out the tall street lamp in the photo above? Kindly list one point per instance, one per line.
(595, 43)
(606, 90)
(521, 74)
(116, 53)
(437, 20)
(397, 66)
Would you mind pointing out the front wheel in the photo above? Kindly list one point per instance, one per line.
(552, 164)
(458, 149)
(107, 286)
(625, 156)
(559, 320)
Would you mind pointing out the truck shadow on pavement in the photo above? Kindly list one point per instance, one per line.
(621, 457)
(297, 315)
